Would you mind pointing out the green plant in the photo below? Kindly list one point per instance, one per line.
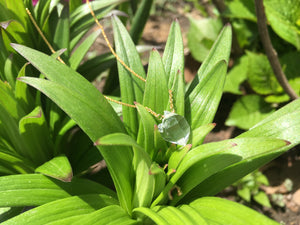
(252, 73)
(249, 186)
(36, 136)
(134, 150)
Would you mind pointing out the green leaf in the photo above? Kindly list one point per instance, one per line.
(241, 9)
(146, 131)
(139, 20)
(132, 88)
(220, 51)
(144, 181)
(156, 95)
(9, 212)
(201, 162)
(215, 162)
(201, 36)
(202, 103)
(200, 133)
(177, 156)
(34, 130)
(37, 189)
(262, 198)
(248, 111)
(284, 19)
(59, 167)
(236, 76)
(173, 60)
(9, 102)
(108, 215)
(22, 93)
(222, 211)
(244, 193)
(60, 210)
(88, 108)
(82, 49)
(90, 69)
(283, 124)
(81, 19)
(260, 74)
(61, 36)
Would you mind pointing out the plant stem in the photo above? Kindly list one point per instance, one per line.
(270, 51)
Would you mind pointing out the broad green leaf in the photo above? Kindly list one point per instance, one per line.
(248, 111)
(291, 67)
(202, 103)
(247, 150)
(158, 219)
(37, 189)
(34, 130)
(156, 95)
(58, 211)
(201, 36)
(59, 167)
(177, 216)
(117, 158)
(241, 9)
(283, 124)
(260, 74)
(113, 215)
(88, 108)
(79, 53)
(144, 181)
(236, 76)
(173, 60)
(220, 51)
(284, 19)
(132, 88)
(201, 163)
(222, 211)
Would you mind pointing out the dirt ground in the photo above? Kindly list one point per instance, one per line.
(286, 166)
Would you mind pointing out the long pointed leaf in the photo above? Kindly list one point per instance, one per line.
(203, 102)
(88, 108)
(132, 88)
(37, 189)
(58, 211)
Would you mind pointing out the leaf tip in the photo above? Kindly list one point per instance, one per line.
(96, 143)
(287, 142)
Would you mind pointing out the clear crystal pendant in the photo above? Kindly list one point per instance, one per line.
(174, 128)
